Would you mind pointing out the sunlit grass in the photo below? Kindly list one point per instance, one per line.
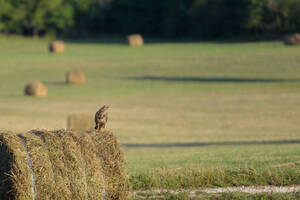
(165, 93)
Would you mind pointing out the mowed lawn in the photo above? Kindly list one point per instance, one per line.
(177, 108)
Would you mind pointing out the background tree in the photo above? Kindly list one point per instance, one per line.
(32, 17)
(167, 18)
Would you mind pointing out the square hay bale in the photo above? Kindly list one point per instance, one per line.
(135, 40)
(57, 46)
(61, 164)
(292, 39)
(75, 77)
(36, 88)
(80, 122)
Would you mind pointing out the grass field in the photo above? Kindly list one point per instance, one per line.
(229, 196)
(189, 114)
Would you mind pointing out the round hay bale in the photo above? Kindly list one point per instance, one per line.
(57, 46)
(292, 39)
(113, 164)
(36, 89)
(75, 77)
(17, 179)
(135, 40)
(61, 165)
(67, 164)
(96, 189)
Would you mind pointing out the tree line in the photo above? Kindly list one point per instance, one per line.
(168, 18)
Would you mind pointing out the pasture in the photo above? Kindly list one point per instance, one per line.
(196, 114)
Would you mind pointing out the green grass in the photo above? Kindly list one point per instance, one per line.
(215, 177)
(222, 196)
(220, 94)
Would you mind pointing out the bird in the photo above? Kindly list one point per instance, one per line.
(101, 117)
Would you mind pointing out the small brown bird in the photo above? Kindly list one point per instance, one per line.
(101, 118)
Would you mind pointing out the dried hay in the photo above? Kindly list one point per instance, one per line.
(292, 39)
(96, 189)
(16, 178)
(112, 161)
(135, 40)
(68, 168)
(36, 89)
(80, 122)
(57, 46)
(75, 77)
(65, 165)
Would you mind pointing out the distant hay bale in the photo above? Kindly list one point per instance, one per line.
(80, 122)
(60, 165)
(75, 77)
(135, 40)
(57, 46)
(292, 39)
(36, 89)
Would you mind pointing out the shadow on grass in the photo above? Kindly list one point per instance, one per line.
(212, 79)
(203, 144)
(120, 39)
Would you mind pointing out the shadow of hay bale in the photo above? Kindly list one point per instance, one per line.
(135, 40)
(57, 46)
(80, 122)
(292, 39)
(61, 165)
(75, 77)
(36, 89)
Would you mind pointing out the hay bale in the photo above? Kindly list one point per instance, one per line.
(15, 173)
(13, 162)
(112, 161)
(36, 89)
(96, 189)
(75, 77)
(135, 40)
(80, 122)
(57, 46)
(292, 39)
(65, 165)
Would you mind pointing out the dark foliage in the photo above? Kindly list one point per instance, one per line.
(168, 18)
